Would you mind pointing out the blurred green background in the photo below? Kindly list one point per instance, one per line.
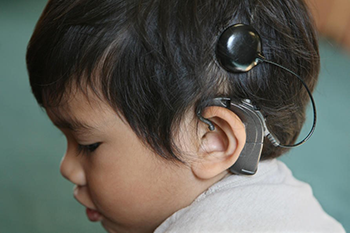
(35, 198)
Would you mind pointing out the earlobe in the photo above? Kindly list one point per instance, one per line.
(219, 149)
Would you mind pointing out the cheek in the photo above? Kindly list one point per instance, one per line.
(125, 182)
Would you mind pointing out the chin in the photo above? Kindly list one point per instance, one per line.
(111, 227)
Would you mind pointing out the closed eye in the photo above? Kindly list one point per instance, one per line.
(86, 149)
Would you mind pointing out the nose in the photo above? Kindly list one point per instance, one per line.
(72, 169)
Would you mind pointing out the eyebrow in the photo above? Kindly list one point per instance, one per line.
(73, 125)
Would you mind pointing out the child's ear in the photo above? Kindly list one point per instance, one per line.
(219, 149)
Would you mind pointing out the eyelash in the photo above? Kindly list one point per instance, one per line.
(86, 149)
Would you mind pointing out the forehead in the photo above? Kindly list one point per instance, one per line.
(80, 111)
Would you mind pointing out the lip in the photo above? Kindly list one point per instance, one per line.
(93, 215)
(81, 194)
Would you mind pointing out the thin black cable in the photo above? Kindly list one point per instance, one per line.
(261, 58)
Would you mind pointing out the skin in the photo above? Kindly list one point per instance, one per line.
(132, 188)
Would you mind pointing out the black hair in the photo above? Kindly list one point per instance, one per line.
(153, 60)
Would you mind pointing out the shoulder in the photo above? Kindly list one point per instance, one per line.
(271, 201)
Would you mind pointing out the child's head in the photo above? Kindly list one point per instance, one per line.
(152, 62)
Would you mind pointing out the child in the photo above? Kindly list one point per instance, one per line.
(130, 84)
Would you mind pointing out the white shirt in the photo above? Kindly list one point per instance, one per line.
(272, 200)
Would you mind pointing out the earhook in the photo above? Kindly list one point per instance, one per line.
(223, 102)
(206, 121)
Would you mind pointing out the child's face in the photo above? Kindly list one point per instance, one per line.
(129, 186)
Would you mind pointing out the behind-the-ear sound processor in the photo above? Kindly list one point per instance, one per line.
(239, 50)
